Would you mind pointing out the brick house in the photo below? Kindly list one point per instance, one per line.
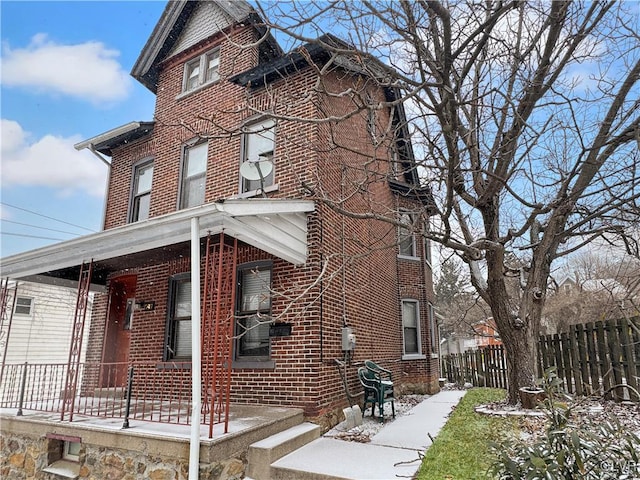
(250, 157)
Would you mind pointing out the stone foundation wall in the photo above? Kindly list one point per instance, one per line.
(25, 457)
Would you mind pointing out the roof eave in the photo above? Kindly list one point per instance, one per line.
(276, 226)
(107, 141)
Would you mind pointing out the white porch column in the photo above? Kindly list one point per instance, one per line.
(196, 354)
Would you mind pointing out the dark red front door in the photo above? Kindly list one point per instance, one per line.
(118, 333)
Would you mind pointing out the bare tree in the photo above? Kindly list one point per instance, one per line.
(459, 306)
(599, 287)
(524, 116)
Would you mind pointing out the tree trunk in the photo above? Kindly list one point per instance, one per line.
(517, 324)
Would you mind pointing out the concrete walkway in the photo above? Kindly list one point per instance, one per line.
(392, 453)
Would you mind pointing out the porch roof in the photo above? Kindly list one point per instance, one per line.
(276, 226)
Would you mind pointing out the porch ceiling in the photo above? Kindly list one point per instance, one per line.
(275, 226)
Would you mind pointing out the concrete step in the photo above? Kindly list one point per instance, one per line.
(110, 392)
(273, 420)
(280, 473)
(263, 453)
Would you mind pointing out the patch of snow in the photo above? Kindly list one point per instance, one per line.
(372, 424)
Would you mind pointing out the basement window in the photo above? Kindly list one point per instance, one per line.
(63, 457)
(71, 451)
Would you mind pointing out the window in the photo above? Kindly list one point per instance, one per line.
(63, 455)
(128, 314)
(411, 327)
(194, 172)
(201, 71)
(71, 451)
(406, 238)
(24, 306)
(254, 312)
(178, 338)
(258, 145)
(141, 196)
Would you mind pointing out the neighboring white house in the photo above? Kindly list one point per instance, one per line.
(42, 323)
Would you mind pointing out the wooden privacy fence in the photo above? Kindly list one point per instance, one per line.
(596, 358)
(484, 367)
(593, 358)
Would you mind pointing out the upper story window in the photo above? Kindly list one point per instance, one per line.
(406, 237)
(201, 71)
(194, 172)
(258, 145)
(141, 194)
(254, 313)
(178, 335)
(24, 306)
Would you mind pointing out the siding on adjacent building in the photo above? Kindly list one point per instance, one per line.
(44, 336)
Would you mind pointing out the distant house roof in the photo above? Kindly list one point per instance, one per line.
(175, 18)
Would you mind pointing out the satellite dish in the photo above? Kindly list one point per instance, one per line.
(256, 169)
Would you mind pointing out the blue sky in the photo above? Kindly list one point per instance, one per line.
(64, 78)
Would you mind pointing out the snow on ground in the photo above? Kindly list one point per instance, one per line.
(372, 425)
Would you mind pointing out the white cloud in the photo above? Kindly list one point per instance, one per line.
(88, 71)
(50, 161)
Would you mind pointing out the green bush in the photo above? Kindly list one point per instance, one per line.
(569, 451)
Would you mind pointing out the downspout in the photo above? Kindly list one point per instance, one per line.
(91, 148)
(196, 357)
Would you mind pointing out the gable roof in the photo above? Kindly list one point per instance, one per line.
(176, 31)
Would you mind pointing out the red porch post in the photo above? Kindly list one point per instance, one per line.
(75, 348)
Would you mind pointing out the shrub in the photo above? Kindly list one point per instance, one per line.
(568, 450)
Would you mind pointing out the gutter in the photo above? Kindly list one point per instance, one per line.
(103, 137)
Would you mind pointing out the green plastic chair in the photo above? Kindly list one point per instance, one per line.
(382, 373)
(376, 392)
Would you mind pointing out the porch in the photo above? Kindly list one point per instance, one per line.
(147, 449)
(153, 393)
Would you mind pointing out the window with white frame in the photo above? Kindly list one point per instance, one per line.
(254, 312)
(63, 455)
(406, 237)
(411, 328)
(71, 451)
(201, 71)
(258, 145)
(178, 336)
(24, 306)
(194, 173)
(141, 194)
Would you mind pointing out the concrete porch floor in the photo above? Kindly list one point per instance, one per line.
(247, 424)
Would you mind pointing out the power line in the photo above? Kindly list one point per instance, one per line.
(30, 236)
(45, 216)
(37, 226)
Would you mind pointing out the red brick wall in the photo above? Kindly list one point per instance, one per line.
(336, 159)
